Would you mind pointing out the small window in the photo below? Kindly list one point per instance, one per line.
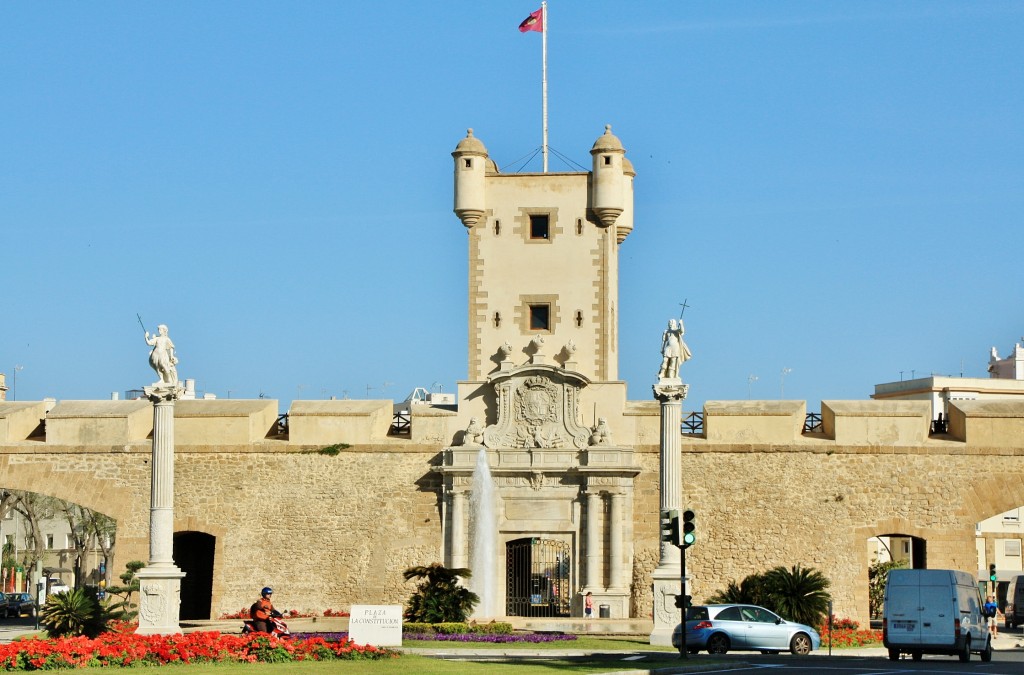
(49, 541)
(539, 226)
(69, 541)
(579, 226)
(607, 160)
(1011, 547)
(497, 227)
(540, 317)
(469, 163)
(497, 319)
(579, 318)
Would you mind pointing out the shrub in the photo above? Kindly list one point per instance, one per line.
(77, 612)
(799, 594)
(492, 628)
(451, 628)
(440, 598)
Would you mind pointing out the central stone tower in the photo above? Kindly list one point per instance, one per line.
(544, 256)
(542, 399)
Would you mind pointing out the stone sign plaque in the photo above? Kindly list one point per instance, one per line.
(377, 625)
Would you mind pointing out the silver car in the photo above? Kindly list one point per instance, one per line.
(720, 628)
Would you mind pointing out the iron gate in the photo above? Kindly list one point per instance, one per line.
(538, 577)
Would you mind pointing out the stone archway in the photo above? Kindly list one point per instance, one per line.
(194, 555)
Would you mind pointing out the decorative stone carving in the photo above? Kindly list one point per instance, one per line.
(536, 480)
(537, 408)
(474, 433)
(602, 434)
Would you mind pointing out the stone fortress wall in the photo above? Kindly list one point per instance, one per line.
(328, 531)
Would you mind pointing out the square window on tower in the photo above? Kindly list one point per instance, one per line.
(540, 317)
(539, 226)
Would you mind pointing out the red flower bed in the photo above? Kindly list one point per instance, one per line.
(121, 650)
(847, 633)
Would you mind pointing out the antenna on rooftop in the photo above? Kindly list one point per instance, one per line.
(751, 379)
(782, 382)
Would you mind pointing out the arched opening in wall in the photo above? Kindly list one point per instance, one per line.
(538, 575)
(193, 554)
(1000, 542)
(50, 539)
(887, 552)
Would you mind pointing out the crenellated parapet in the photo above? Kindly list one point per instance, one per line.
(578, 409)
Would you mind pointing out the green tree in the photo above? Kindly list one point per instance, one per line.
(440, 598)
(125, 593)
(798, 593)
(878, 574)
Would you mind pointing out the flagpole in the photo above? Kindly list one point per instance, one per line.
(544, 79)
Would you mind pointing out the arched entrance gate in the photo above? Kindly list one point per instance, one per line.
(538, 577)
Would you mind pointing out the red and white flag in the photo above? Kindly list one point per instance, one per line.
(533, 22)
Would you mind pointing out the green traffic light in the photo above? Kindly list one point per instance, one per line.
(689, 528)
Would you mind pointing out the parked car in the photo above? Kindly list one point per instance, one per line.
(57, 586)
(20, 603)
(721, 628)
(3, 604)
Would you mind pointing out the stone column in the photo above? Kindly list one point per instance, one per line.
(458, 526)
(160, 580)
(615, 558)
(670, 392)
(593, 542)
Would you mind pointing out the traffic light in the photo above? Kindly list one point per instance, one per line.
(683, 601)
(670, 526)
(992, 576)
(689, 528)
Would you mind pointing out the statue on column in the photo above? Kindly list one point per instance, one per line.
(162, 357)
(673, 350)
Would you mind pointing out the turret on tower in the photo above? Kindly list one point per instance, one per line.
(470, 160)
(608, 200)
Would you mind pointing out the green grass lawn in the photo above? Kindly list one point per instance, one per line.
(413, 663)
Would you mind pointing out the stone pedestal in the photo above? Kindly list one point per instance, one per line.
(160, 580)
(666, 577)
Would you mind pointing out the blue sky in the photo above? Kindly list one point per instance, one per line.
(834, 188)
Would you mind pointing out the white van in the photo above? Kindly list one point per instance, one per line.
(934, 612)
(1015, 602)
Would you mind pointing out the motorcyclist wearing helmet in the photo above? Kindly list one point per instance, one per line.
(261, 609)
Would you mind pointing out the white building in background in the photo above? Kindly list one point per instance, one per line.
(1006, 380)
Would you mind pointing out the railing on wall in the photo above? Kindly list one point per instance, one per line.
(401, 424)
(280, 426)
(812, 423)
(693, 424)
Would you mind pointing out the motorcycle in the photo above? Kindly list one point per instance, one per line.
(277, 627)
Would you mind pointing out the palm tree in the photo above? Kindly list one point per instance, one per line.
(799, 594)
(750, 591)
(440, 598)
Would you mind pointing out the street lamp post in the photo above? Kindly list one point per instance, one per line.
(14, 383)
